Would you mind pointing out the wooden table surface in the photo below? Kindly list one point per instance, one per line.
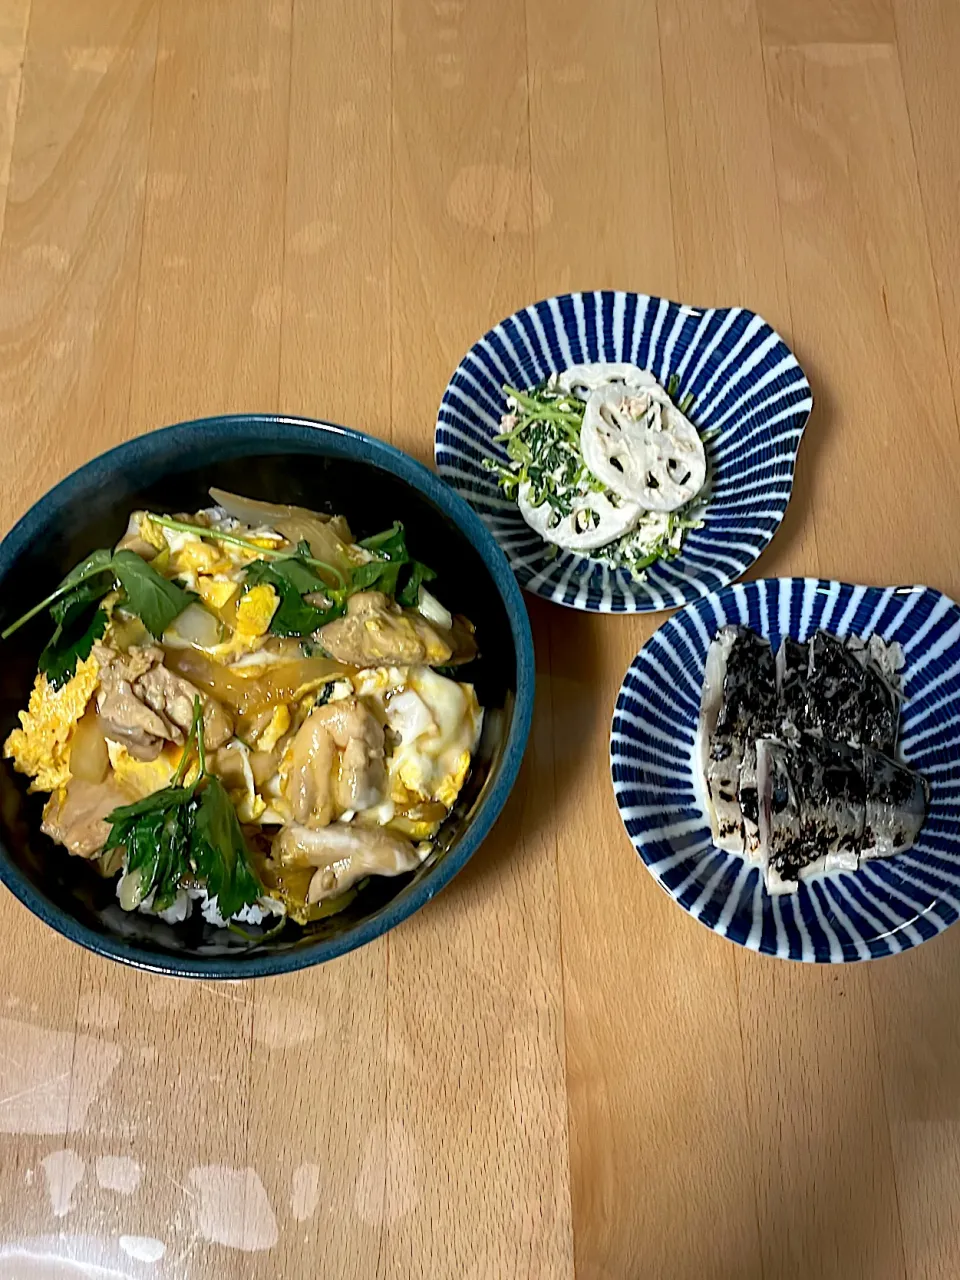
(316, 206)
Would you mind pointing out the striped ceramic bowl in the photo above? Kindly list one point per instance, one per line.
(887, 906)
(751, 403)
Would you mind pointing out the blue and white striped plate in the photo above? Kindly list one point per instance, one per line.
(887, 906)
(752, 402)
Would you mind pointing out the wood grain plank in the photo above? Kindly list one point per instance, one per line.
(928, 40)
(335, 360)
(596, 122)
(914, 999)
(461, 194)
(853, 227)
(68, 270)
(476, 1078)
(207, 340)
(917, 1009)
(320, 1036)
(841, 138)
(208, 317)
(38, 1023)
(476, 1058)
(826, 1189)
(14, 16)
(317, 1115)
(649, 1127)
(726, 211)
(727, 231)
(175, 1114)
(826, 21)
(71, 241)
(721, 161)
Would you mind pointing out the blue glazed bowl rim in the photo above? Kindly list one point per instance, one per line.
(342, 442)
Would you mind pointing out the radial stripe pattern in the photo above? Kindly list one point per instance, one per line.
(888, 905)
(751, 402)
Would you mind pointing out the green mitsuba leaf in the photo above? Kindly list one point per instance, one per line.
(154, 599)
(77, 632)
(392, 567)
(186, 832)
(220, 851)
(292, 579)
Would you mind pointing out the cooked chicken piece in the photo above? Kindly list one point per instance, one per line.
(462, 640)
(227, 764)
(173, 697)
(344, 854)
(375, 632)
(263, 765)
(125, 718)
(142, 704)
(78, 821)
(336, 763)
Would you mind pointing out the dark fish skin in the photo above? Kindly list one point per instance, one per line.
(793, 660)
(748, 712)
(749, 686)
(749, 798)
(738, 705)
(782, 842)
(835, 681)
(881, 713)
(824, 798)
(823, 688)
(723, 772)
(797, 754)
(896, 805)
(832, 796)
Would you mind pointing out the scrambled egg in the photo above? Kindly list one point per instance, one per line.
(188, 556)
(437, 723)
(278, 726)
(150, 531)
(216, 592)
(142, 777)
(237, 776)
(255, 611)
(41, 747)
(432, 724)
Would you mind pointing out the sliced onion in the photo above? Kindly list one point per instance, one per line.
(89, 760)
(247, 695)
(431, 609)
(327, 535)
(130, 890)
(195, 626)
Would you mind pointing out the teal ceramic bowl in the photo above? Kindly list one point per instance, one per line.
(313, 464)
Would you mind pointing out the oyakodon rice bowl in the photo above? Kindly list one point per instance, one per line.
(266, 683)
